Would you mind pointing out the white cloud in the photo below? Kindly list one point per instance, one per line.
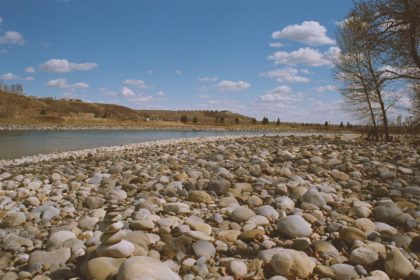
(306, 56)
(279, 94)
(64, 66)
(62, 83)
(326, 88)
(178, 72)
(29, 69)
(1, 20)
(207, 79)
(289, 75)
(11, 76)
(160, 93)
(232, 86)
(12, 38)
(139, 83)
(125, 91)
(308, 32)
(276, 45)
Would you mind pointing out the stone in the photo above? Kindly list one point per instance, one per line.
(59, 237)
(220, 187)
(292, 264)
(103, 267)
(241, 214)
(350, 234)
(142, 225)
(284, 203)
(93, 202)
(14, 242)
(363, 256)
(377, 275)
(344, 271)
(414, 275)
(251, 235)
(136, 268)
(340, 176)
(267, 211)
(4, 260)
(228, 235)
(397, 266)
(121, 249)
(386, 212)
(198, 235)
(294, 226)
(52, 259)
(50, 212)
(113, 237)
(200, 197)
(325, 249)
(14, 219)
(314, 197)
(87, 223)
(238, 268)
(203, 248)
(176, 207)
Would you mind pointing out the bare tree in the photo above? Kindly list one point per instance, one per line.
(350, 71)
(397, 25)
(367, 84)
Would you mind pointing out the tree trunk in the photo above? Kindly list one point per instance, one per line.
(372, 115)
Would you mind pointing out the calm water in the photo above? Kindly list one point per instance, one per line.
(15, 144)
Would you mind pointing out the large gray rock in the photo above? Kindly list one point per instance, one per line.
(220, 187)
(121, 249)
(294, 226)
(14, 242)
(52, 259)
(137, 268)
(398, 266)
(364, 256)
(241, 214)
(344, 271)
(203, 248)
(267, 211)
(102, 268)
(386, 212)
(314, 197)
(93, 202)
(14, 219)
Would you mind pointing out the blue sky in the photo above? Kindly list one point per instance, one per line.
(261, 58)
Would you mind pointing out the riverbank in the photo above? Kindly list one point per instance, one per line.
(227, 208)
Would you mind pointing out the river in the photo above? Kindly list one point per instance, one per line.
(19, 143)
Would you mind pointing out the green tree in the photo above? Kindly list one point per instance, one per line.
(265, 120)
(184, 119)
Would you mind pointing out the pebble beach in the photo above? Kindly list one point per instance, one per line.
(255, 207)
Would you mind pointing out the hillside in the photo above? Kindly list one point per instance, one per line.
(21, 109)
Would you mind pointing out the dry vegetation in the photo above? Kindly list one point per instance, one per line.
(19, 109)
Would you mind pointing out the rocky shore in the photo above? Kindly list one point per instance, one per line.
(265, 207)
